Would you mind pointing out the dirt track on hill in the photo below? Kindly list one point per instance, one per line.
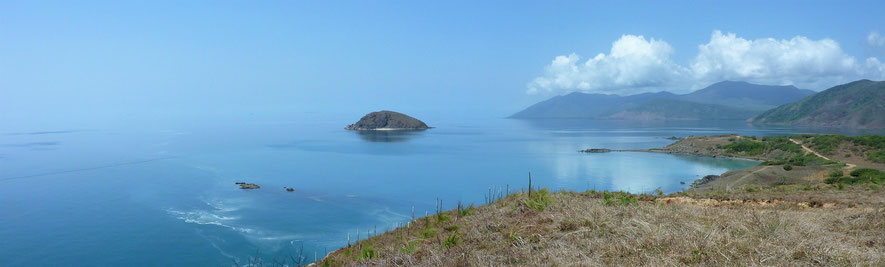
(848, 166)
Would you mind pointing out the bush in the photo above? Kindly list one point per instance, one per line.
(859, 176)
(368, 252)
(788, 167)
(428, 232)
(826, 143)
(878, 157)
(831, 180)
(836, 173)
(539, 200)
(465, 211)
(864, 171)
(409, 248)
(442, 217)
(745, 146)
(452, 240)
(619, 198)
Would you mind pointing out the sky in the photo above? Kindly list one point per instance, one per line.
(70, 61)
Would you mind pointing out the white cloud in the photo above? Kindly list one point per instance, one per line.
(875, 39)
(635, 65)
(799, 61)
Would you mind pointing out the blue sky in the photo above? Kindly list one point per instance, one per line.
(71, 60)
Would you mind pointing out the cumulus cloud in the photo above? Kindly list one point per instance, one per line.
(637, 65)
(633, 63)
(798, 60)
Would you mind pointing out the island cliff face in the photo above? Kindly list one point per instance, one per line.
(387, 120)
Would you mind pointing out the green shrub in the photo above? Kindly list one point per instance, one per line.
(788, 167)
(367, 253)
(409, 248)
(627, 200)
(619, 198)
(466, 211)
(452, 240)
(826, 144)
(428, 232)
(751, 189)
(442, 217)
(746, 147)
(878, 157)
(859, 176)
(539, 200)
(836, 173)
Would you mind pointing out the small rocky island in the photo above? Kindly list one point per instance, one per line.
(247, 185)
(387, 120)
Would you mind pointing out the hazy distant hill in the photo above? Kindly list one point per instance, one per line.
(859, 104)
(583, 105)
(670, 109)
(728, 99)
(747, 95)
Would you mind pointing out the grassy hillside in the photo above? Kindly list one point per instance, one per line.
(601, 228)
(859, 104)
(668, 109)
(820, 212)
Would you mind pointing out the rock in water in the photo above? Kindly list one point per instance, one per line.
(247, 185)
(702, 181)
(387, 120)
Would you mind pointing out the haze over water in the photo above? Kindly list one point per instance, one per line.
(155, 195)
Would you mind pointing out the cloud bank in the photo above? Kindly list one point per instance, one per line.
(636, 64)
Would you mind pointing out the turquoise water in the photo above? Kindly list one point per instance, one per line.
(166, 196)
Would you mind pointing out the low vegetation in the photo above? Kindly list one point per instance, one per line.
(806, 210)
(872, 146)
(617, 228)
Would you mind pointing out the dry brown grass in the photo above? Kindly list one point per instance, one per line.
(581, 229)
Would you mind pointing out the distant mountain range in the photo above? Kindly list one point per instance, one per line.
(859, 104)
(728, 100)
(671, 109)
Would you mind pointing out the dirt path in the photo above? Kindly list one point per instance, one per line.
(728, 186)
(848, 166)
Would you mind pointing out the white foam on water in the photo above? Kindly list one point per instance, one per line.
(208, 218)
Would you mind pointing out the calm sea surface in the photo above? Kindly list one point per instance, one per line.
(163, 196)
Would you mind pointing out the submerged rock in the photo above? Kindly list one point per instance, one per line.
(387, 120)
(289, 189)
